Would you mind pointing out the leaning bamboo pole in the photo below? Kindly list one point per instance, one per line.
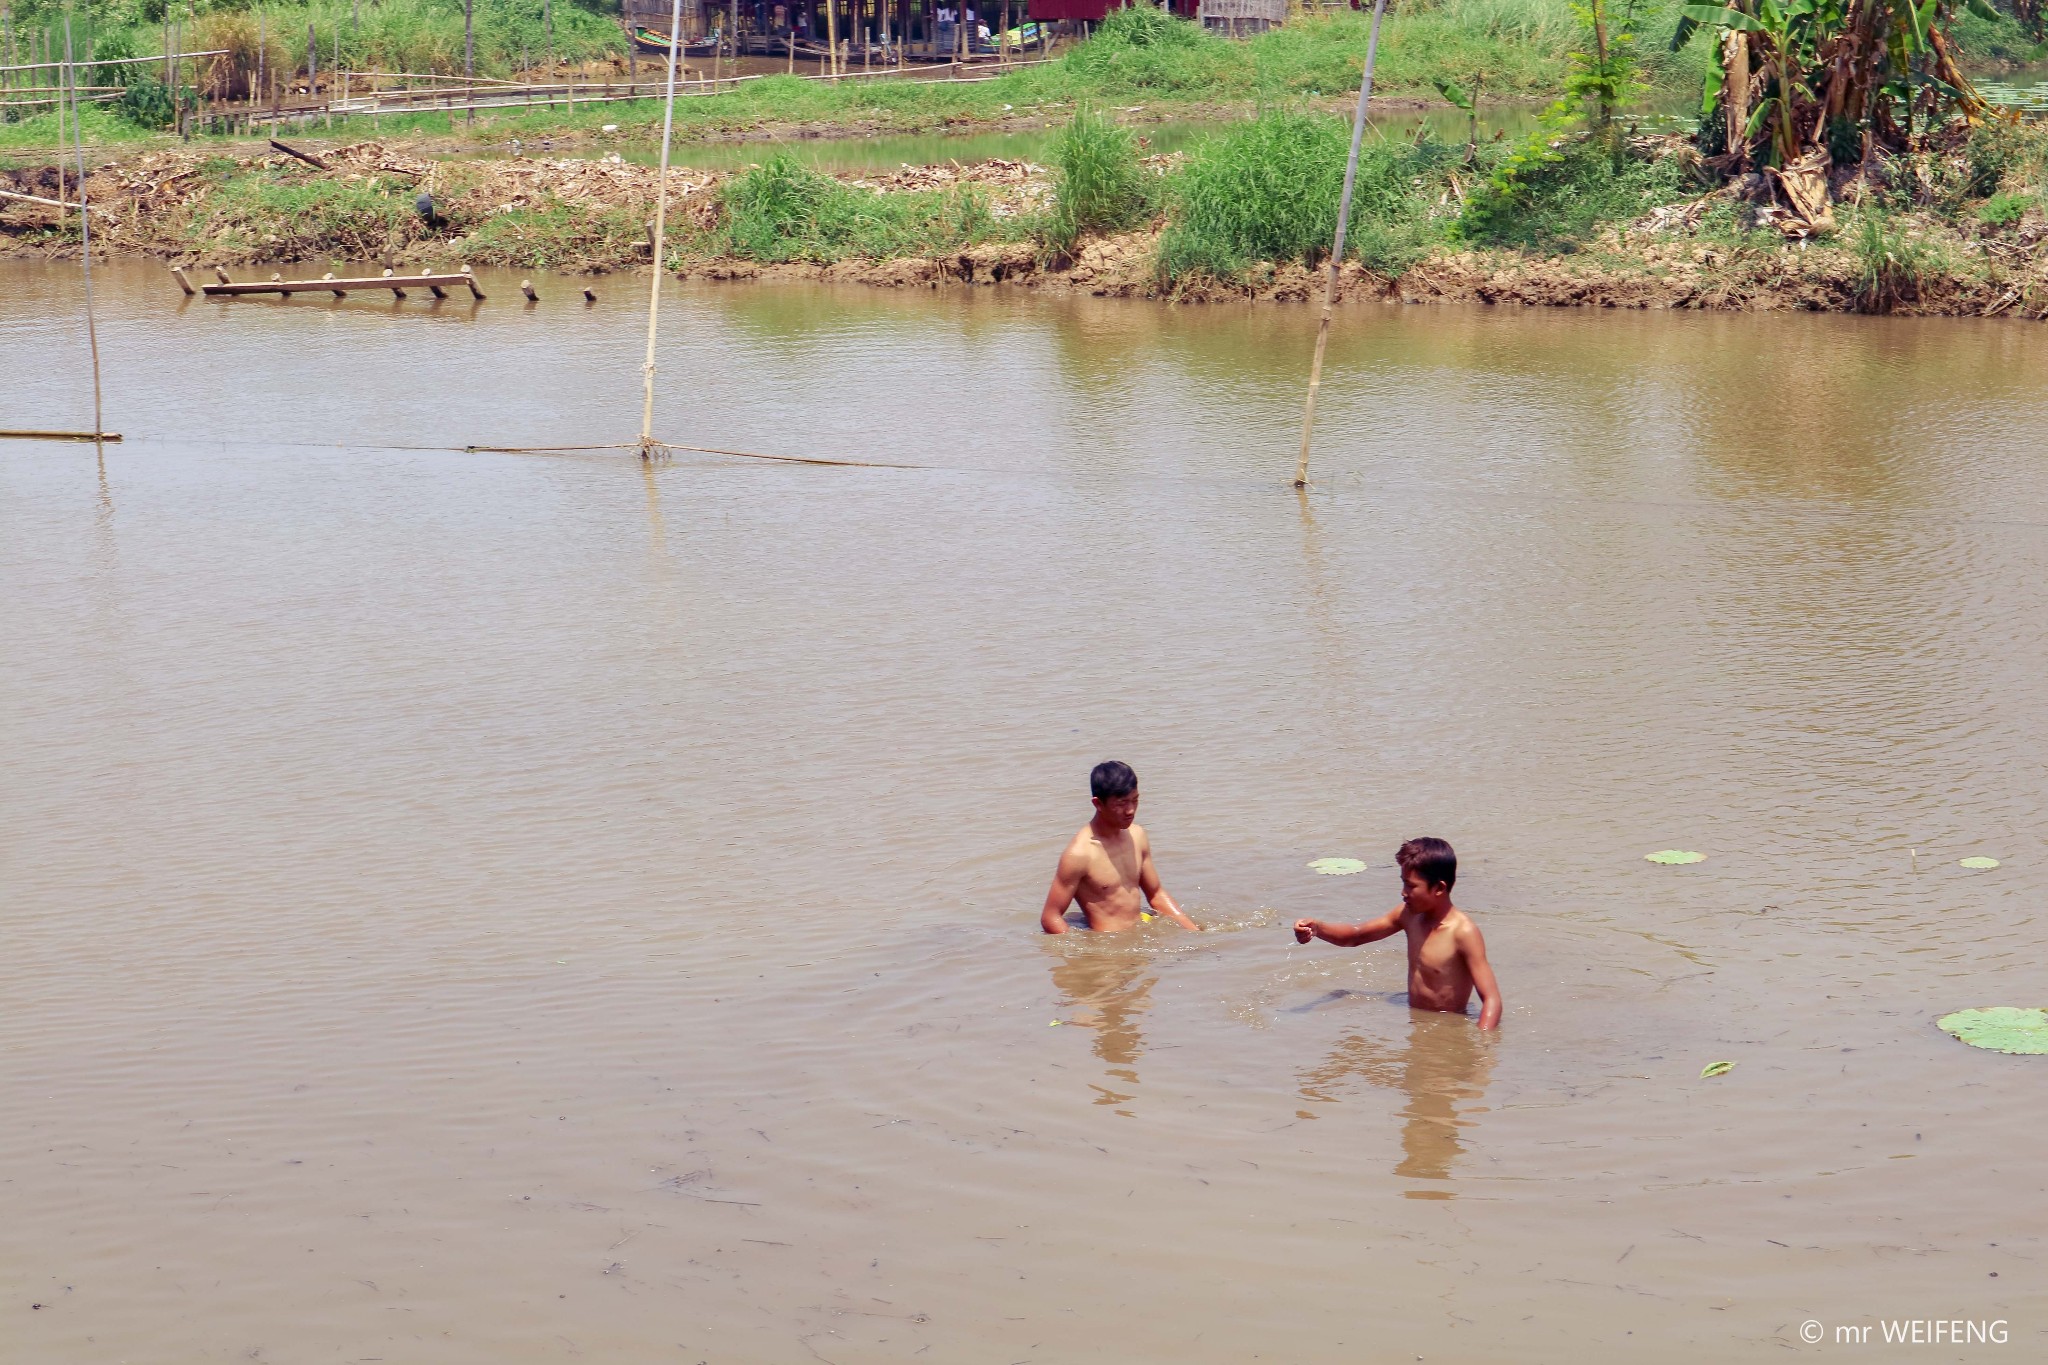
(648, 444)
(92, 334)
(1315, 370)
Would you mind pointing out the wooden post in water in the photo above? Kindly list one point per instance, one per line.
(1315, 370)
(668, 120)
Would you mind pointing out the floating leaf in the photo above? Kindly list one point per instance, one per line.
(1979, 863)
(1144, 916)
(1337, 867)
(1716, 1069)
(1055, 1023)
(2002, 1028)
(1674, 857)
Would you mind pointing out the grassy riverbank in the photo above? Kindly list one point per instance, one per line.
(1246, 214)
(1582, 212)
(1506, 49)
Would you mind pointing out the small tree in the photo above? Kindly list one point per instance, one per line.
(1607, 77)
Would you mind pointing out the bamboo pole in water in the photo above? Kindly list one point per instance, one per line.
(668, 120)
(59, 102)
(92, 334)
(1315, 370)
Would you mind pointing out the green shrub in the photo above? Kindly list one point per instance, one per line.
(782, 210)
(2004, 209)
(2002, 150)
(1268, 190)
(1561, 186)
(145, 103)
(1098, 183)
(1140, 48)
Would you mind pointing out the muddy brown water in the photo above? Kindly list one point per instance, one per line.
(470, 907)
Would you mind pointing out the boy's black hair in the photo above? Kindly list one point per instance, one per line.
(1433, 860)
(1111, 779)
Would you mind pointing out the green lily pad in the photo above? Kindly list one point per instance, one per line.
(1336, 867)
(1979, 863)
(1674, 857)
(2002, 1028)
(1716, 1069)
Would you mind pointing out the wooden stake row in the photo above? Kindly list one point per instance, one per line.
(438, 285)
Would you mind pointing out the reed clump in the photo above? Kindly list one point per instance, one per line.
(1267, 191)
(783, 210)
(245, 46)
(1099, 183)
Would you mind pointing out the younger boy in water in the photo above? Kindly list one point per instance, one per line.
(1108, 866)
(1446, 955)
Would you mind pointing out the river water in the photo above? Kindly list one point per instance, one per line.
(482, 907)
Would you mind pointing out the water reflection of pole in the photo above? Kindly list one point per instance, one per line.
(657, 528)
(668, 121)
(1315, 372)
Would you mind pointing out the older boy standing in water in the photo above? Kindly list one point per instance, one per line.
(1446, 955)
(1108, 866)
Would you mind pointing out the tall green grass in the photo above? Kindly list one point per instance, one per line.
(1268, 190)
(782, 210)
(390, 35)
(1099, 184)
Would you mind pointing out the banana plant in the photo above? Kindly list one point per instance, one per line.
(1455, 95)
(1815, 61)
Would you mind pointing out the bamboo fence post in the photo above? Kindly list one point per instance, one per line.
(832, 33)
(668, 119)
(1315, 371)
(92, 334)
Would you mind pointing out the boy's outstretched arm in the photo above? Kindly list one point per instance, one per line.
(1155, 894)
(1349, 935)
(1473, 944)
(1066, 880)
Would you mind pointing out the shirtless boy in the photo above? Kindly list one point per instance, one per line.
(1446, 955)
(1108, 866)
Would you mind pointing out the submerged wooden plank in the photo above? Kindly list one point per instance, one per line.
(59, 435)
(332, 286)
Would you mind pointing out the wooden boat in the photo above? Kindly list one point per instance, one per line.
(647, 40)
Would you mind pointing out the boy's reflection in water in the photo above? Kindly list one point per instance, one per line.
(1444, 1071)
(1107, 990)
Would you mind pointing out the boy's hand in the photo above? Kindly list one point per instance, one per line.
(1304, 930)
